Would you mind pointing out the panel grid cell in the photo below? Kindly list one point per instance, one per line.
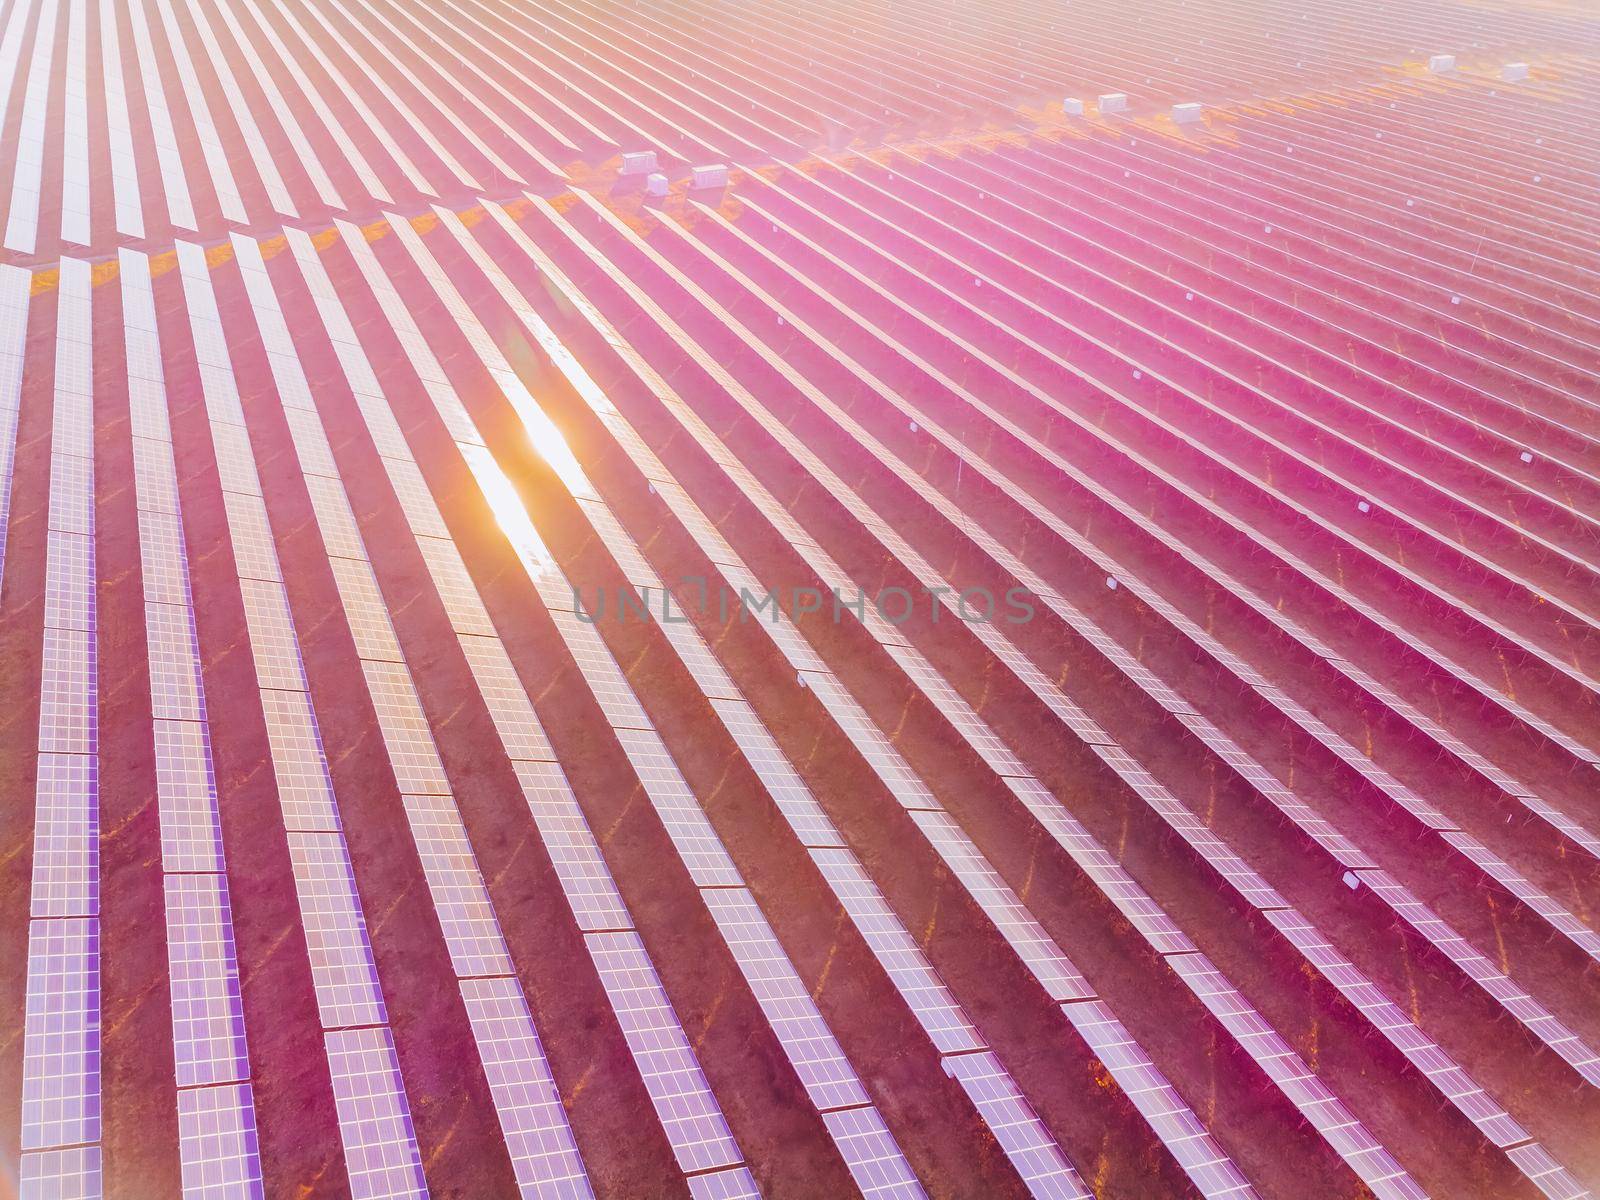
(380, 1145)
(305, 793)
(66, 840)
(73, 1173)
(61, 1034)
(68, 699)
(207, 1012)
(336, 932)
(175, 686)
(191, 836)
(218, 1145)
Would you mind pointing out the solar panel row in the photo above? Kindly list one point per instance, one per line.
(216, 1110)
(61, 1031)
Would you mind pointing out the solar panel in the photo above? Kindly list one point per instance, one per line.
(217, 1143)
(1549, 1176)
(519, 728)
(163, 561)
(365, 611)
(71, 481)
(574, 852)
(697, 843)
(812, 1048)
(174, 663)
(299, 764)
(1038, 952)
(14, 287)
(1018, 1129)
(254, 554)
(876, 1163)
(461, 602)
(1205, 1163)
(336, 933)
(543, 1153)
(735, 1183)
(373, 1117)
(694, 1124)
(778, 776)
(337, 523)
(466, 914)
(73, 1173)
(61, 1038)
(417, 767)
(66, 850)
(207, 1012)
(191, 838)
(272, 636)
(931, 1002)
(69, 571)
